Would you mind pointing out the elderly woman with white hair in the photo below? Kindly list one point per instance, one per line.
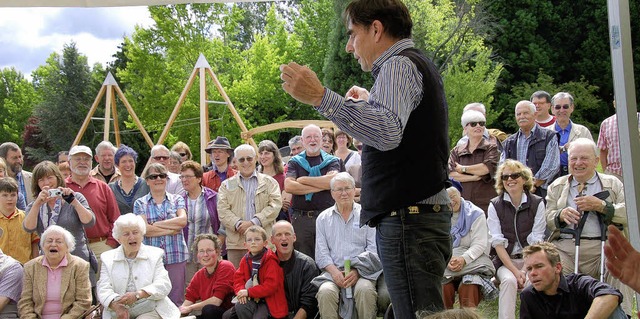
(474, 163)
(55, 285)
(133, 282)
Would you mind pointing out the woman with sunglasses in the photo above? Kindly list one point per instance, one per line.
(474, 162)
(515, 220)
(166, 217)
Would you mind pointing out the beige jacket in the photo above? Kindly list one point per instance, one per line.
(231, 206)
(558, 193)
(75, 289)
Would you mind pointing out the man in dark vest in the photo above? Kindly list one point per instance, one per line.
(533, 146)
(401, 118)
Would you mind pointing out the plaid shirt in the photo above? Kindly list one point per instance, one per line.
(174, 246)
(608, 140)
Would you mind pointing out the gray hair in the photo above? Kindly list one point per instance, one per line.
(244, 147)
(583, 141)
(562, 95)
(476, 107)
(6, 147)
(159, 147)
(176, 156)
(311, 127)
(472, 116)
(128, 221)
(104, 145)
(530, 104)
(68, 238)
(295, 140)
(156, 167)
(540, 95)
(343, 177)
(453, 190)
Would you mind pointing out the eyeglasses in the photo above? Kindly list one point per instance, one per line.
(186, 176)
(247, 158)
(161, 158)
(474, 124)
(513, 176)
(81, 159)
(564, 106)
(342, 190)
(156, 176)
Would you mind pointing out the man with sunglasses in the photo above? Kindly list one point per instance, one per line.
(533, 146)
(567, 130)
(246, 199)
(160, 154)
(100, 197)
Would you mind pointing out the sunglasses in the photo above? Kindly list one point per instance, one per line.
(183, 154)
(564, 106)
(474, 124)
(513, 176)
(242, 159)
(161, 158)
(156, 176)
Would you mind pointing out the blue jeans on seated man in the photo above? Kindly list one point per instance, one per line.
(414, 250)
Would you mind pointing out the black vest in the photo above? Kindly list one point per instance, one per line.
(515, 225)
(537, 147)
(417, 168)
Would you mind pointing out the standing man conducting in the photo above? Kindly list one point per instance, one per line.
(404, 114)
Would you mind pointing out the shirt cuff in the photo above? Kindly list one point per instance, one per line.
(331, 103)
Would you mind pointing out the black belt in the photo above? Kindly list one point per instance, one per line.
(516, 256)
(418, 209)
(308, 213)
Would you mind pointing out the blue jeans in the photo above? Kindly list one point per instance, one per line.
(414, 250)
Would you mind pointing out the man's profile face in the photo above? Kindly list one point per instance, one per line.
(361, 43)
(542, 275)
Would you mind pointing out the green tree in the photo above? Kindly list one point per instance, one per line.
(68, 89)
(17, 99)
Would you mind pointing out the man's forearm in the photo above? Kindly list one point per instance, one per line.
(602, 307)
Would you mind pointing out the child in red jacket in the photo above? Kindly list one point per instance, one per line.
(259, 281)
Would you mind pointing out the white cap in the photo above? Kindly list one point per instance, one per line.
(80, 149)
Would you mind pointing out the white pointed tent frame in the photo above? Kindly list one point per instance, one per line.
(201, 70)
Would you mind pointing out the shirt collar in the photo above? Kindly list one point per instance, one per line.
(63, 263)
(397, 47)
(567, 129)
(590, 181)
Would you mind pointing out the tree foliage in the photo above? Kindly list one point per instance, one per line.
(67, 88)
(17, 99)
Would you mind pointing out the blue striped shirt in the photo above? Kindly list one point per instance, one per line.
(380, 121)
(174, 246)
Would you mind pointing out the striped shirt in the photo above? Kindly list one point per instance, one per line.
(174, 246)
(380, 121)
(337, 239)
(198, 219)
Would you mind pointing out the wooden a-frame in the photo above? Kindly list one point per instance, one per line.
(110, 86)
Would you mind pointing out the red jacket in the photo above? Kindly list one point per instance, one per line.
(271, 286)
(212, 180)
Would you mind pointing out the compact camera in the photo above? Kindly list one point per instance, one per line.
(55, 192)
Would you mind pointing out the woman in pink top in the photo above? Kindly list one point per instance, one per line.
(57, 284)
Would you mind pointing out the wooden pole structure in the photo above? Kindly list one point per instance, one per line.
(116, 125)
(204, 108)
(87, 119)
(176, 109)
(107, 112)
(135, 118)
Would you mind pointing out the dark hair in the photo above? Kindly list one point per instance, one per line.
(393, 15)
(6, 147)
(8, 185)
(329, 133)
(211, 237)
(540, 95)
(349, 138)
(122, 151)
(42, 170)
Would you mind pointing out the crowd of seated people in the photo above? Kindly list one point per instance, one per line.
(267, 238)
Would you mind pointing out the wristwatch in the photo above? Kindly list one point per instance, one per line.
(464, 169)
(604, 205)
(138, 296)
